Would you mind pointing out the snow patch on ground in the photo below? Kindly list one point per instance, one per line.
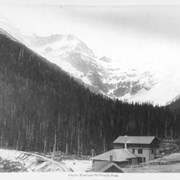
(79, 165)
(33, 162)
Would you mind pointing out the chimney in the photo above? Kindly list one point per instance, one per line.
(92, 152)
(125, 142)
(111, 158)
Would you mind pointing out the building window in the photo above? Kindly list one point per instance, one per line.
(133, 151)
(152, 151)
(140, 151)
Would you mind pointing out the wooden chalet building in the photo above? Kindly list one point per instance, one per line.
(146, 147)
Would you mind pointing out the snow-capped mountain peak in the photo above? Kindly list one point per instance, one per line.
(58, 43)
(75, 57)
(101, 74)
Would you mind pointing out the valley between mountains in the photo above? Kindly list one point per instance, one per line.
(56, 95)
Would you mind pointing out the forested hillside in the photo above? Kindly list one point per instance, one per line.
(42, 108)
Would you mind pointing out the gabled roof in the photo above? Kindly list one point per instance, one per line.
(109, 165)
(135, 139)
(118, 155)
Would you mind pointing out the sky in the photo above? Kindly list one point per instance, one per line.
(92, 2)
(133, 33)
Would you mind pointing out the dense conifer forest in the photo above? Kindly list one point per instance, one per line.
(43, 109)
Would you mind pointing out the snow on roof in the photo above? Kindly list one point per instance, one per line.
(107, 166)
(118, 155)
(135, 139)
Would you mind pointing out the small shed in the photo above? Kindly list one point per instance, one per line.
(110, 167)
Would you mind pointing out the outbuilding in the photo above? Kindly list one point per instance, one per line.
(114, 160)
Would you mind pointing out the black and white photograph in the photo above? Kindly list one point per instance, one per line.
(89, 87)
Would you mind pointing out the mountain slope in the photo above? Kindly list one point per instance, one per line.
(107, 76)
(174, 105)
(101, 74)
(74, 56)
